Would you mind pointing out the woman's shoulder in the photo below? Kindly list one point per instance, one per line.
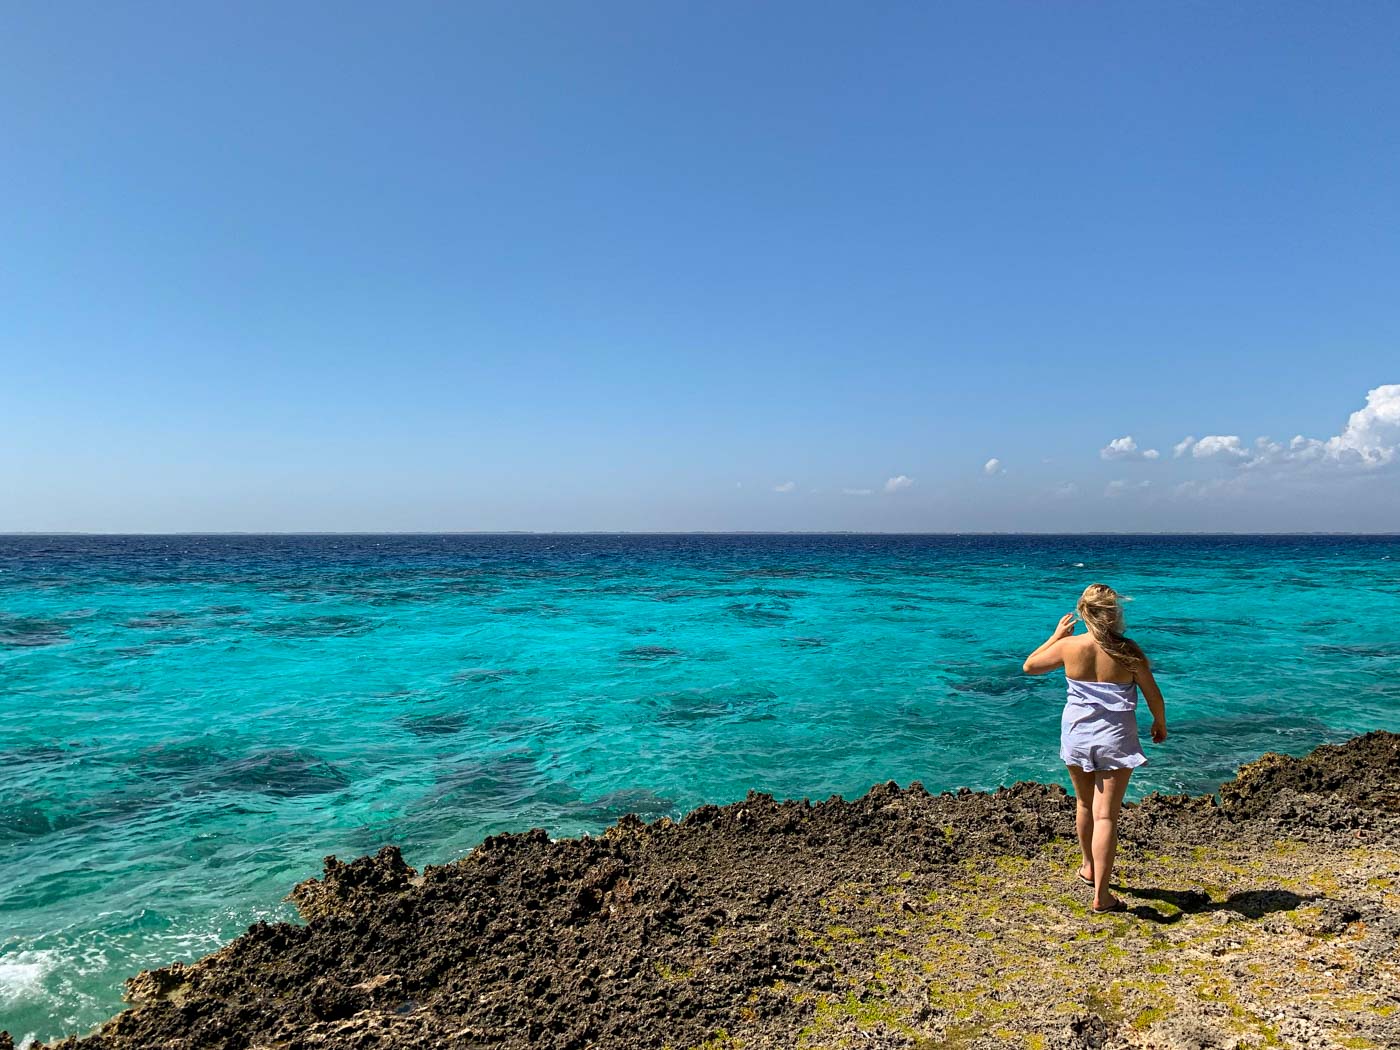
(1079, 655)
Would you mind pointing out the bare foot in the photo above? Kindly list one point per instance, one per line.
(1086, 872)
(1109, 903)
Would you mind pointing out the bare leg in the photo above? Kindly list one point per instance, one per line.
(1084, 817)
(1109, 786)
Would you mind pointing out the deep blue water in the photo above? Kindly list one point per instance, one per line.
(188, 724)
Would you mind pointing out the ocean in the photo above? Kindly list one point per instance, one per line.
(188, 724)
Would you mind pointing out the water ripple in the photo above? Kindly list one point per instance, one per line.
(190, 723)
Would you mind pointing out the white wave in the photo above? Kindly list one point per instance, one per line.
(22, 974)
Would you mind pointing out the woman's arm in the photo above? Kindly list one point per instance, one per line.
(1047, 655)
(1153, 696)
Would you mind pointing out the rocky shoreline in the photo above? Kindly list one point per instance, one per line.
(1267, 915)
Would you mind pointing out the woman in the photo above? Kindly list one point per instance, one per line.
(1098, 732)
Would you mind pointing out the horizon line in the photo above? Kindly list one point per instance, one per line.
(688, 532)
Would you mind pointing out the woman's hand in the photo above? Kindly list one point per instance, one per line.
(1065, 629)
(1159, 731)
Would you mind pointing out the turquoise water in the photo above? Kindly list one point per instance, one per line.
(188, 724)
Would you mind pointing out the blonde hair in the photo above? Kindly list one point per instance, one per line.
(1101, 609)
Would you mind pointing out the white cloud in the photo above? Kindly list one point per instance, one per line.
(1126, 448)
(1120, 488)
(857, 492)
(1370, 439)
(993, 466)
(1204, 490)
(1373, 432)
(1118, 448)
(899, 481)
(1219, 445)
(786, 486)
(1182, 447)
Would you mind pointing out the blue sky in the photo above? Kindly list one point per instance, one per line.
(698, 266)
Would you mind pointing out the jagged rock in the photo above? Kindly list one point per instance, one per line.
(1361, 771)
(345, 889)
(152, 986)
(754, 921)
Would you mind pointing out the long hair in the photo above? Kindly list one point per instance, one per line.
(1101, 609)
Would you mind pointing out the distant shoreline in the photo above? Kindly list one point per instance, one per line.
(756, 532)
